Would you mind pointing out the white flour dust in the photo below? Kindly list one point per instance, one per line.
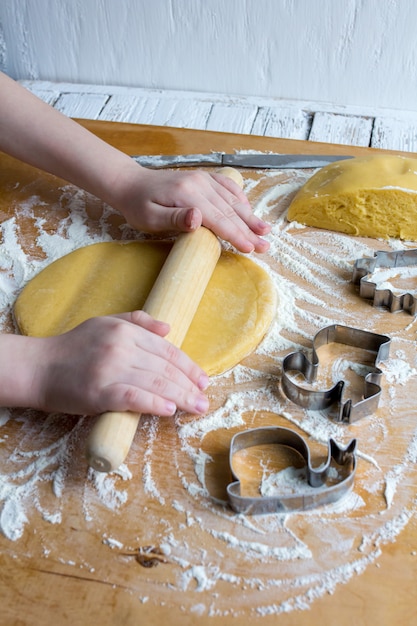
(228, 564)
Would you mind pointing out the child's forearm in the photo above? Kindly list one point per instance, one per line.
(20, 365)
(36, 133)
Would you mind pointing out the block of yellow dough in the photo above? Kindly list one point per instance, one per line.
(108, 278)
(373, 196)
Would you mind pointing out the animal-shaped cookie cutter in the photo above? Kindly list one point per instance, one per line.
(362, 276)
(319, 490)
(315, 400)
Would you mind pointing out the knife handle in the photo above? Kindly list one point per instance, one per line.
(174, 299)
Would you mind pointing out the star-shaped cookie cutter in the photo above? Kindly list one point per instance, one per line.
(362, 276)
(378, 345)
(318, 490)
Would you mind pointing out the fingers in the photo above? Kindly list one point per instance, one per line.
(243, 207)
(166, 364)
(228, 183)
(228, 215)
(186, 220)
(182, 201)
(235, 218)
(227, 211)
(158, 393)
(142, 372)
(146, 321)
(118, 363)
(158, 354)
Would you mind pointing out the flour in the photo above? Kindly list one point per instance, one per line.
(148, 481)
(4, 416)
(113, 543)
(13, 518)
(291, 481)
(387, 278)
(203, 578)
(229, 564)
(398, 371)
(106, 486)
(258, 550)
(227, 416)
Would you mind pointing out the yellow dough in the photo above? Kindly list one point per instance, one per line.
(373, 196)
(108, 278)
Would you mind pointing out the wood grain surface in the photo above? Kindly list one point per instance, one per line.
(76, 543)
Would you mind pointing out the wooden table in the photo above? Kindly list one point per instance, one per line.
(70, 557)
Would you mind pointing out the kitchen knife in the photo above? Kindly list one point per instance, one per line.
(252, 160)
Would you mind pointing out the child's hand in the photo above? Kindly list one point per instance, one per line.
(150, 200)
(164, 200)
(117, 363)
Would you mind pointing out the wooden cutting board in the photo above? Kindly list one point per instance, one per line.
(77, 542)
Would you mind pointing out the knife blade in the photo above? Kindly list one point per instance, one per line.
(252, 160)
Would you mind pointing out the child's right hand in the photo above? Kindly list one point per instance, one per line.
(114, 363)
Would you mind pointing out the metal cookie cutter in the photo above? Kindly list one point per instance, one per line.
(317, 492)
(314, 400)
(363, 268)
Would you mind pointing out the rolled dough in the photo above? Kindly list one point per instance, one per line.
(373, 196)
(112, 277)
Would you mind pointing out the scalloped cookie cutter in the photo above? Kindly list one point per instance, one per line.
(363, 270)
(316, 478)
(315, 400)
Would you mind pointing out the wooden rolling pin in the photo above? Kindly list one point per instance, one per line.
(174, 299)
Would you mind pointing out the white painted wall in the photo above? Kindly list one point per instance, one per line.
(361, 52)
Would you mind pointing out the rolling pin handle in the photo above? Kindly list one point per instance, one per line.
(110, 440)
(230, 172)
